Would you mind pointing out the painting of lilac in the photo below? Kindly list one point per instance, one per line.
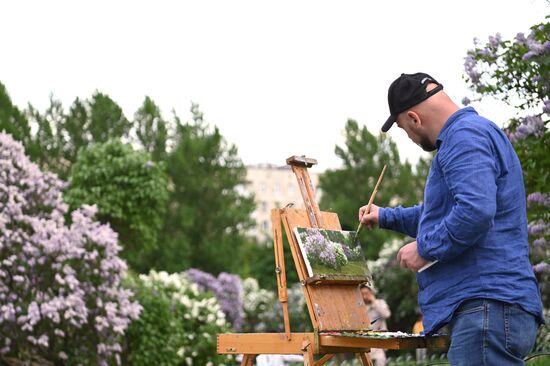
(331, 252)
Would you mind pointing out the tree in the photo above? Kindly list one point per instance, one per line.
(131, 192)
(517, 72)
(13, 121)
(347, 188)
(207, 216)
(61, 135)
(47, 144)
(151, 129)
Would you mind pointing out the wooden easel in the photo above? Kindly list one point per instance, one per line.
(334, 304)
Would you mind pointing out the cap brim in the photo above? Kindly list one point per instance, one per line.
(389, 122)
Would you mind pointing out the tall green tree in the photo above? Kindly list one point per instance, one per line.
(47, 146)
(60, 135)
(151, 129)
(347, 188)
(207, 215)
(15, 122)
(131, 192)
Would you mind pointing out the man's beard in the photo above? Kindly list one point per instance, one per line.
(426, 144)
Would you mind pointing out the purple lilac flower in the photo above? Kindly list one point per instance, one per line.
(520, 39)
(537, 227)
(231, 300)
(535, 48)
(228, 291)
(495, 40)
(546, 107)
(486, 52)
(538, 198)
(541, 267)
(470, 64)
(530, 125)
(466, 101)
(540, 242)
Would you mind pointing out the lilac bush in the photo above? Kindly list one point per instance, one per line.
(228, 290)
(61, 298)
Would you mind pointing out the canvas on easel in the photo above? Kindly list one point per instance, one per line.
(331, 252)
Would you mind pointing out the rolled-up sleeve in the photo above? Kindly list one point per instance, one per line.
(469, 169)
(400, 219)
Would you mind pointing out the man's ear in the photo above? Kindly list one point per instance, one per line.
(414, 119)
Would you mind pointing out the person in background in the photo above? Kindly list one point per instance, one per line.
(378, 311)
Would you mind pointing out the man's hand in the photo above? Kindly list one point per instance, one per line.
(370, 219)
(408, 257)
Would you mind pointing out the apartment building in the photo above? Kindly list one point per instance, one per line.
(273, 187)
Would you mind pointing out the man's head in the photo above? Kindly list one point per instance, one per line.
(418, 107)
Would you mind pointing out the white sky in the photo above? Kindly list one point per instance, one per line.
(279, 78)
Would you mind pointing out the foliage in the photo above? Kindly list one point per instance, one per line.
(60, 135)
(258, 261)
(151, 129)
(256, 302)
(518, 73)
(60, 293)
(131, 193)
(263, 311)
(14, 122)
(207, 216)
(347, 188)
(178, 323)
(204, 220)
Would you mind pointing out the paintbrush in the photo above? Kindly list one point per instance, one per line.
(371, 200)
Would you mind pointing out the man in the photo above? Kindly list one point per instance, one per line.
(378, 311)
(472, 228)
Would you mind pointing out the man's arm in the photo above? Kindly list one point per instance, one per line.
(400, 219)
(470, 170)
(403, 220)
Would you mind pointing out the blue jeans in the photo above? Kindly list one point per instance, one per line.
(489, 332)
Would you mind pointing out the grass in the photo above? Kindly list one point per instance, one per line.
(355, 268)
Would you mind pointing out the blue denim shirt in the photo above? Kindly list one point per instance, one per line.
(473, 221)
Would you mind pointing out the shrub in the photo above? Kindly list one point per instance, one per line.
(60, 294)
(178, 323)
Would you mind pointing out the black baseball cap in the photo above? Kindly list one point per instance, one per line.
(407, 91)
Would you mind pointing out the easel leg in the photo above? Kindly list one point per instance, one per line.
(365, 359)
(248, 360)
(307, 349)
(323, 359)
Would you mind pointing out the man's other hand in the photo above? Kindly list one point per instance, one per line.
(408, 257)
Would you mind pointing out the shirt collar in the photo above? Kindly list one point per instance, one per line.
(452, 119)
